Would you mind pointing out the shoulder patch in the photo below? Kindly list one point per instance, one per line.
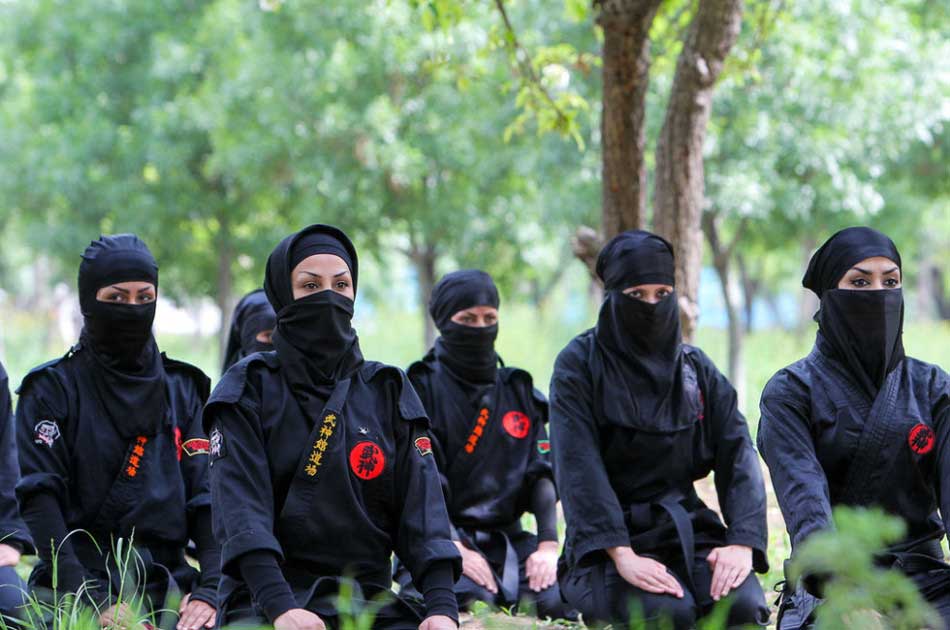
(46, 432)
(544, 446)
(196, 446)
(423, 445)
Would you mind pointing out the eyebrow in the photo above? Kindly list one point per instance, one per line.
(120, 289)
(316, 275)
(868, 272)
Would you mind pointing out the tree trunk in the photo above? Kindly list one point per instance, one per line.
(423, 256)
(938, 287)
(225, 283)
(722, 255)
(750, 291)
(626, 70)
(678, 196)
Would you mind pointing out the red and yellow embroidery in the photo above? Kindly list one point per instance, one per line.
(135, 457)
(196, 446)
(316, 455)
(477, 431)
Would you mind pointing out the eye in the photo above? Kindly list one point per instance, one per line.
(311, 286)
(147, 297)
(892, 282)
(342, 284)
(662, 293)
(860, 282)
(636, 293)
(491, 319)
(117, 297)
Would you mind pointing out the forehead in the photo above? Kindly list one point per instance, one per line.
(321, 264)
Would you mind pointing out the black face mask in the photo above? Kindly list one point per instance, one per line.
(469, 351)
(642, 363)
(120, 333)
(628, 324)
(316, 332)
(862, 330)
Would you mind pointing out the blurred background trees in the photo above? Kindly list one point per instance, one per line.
(447, 133)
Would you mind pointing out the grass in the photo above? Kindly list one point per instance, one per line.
(528, 339)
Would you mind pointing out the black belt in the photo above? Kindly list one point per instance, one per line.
(672, 504)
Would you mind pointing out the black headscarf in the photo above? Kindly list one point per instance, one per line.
(468, 351)
(862, 329)
(252, 315)
(126, 365)
(313, 337)
(639, 363)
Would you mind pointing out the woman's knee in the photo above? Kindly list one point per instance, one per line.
(747, 604)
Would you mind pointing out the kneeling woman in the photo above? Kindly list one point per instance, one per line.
(858, 423)
(636, 418)
(320, 463)
(491, 444)
(110, 442)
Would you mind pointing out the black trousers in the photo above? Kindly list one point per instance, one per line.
(603, 596)
(546, 604)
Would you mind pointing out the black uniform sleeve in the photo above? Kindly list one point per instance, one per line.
(194, 464)
(423, 541)
(738, 473)
(266, 582)
(941, 418)
(591, 508)
(539, 464)
(544, 508)
(13, 530)
(419, 383)
(785, 443)
(241, 489)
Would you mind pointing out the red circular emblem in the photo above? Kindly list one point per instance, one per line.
(516, 424)
(367, 460)
(921, 439)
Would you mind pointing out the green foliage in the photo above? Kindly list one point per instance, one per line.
(859, 593)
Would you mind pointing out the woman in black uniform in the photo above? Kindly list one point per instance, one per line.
(110, 442)
(636, 418)
(857, 422)
(252, 325)
(490, 441)
(320, 463)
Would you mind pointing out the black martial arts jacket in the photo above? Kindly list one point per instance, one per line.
(623, 485)
(13, 530)
(490, 442)
(330, 496)
(153, 487)
(827, 443)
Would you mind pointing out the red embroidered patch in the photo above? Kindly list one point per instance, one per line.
(424, 445)
(516, 424)
(135, 457)
(367, 460)
(196, 446)
(477, 431)
(921, 439)
(178, 442)
(544, 446)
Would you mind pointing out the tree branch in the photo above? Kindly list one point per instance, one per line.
(524, 61)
